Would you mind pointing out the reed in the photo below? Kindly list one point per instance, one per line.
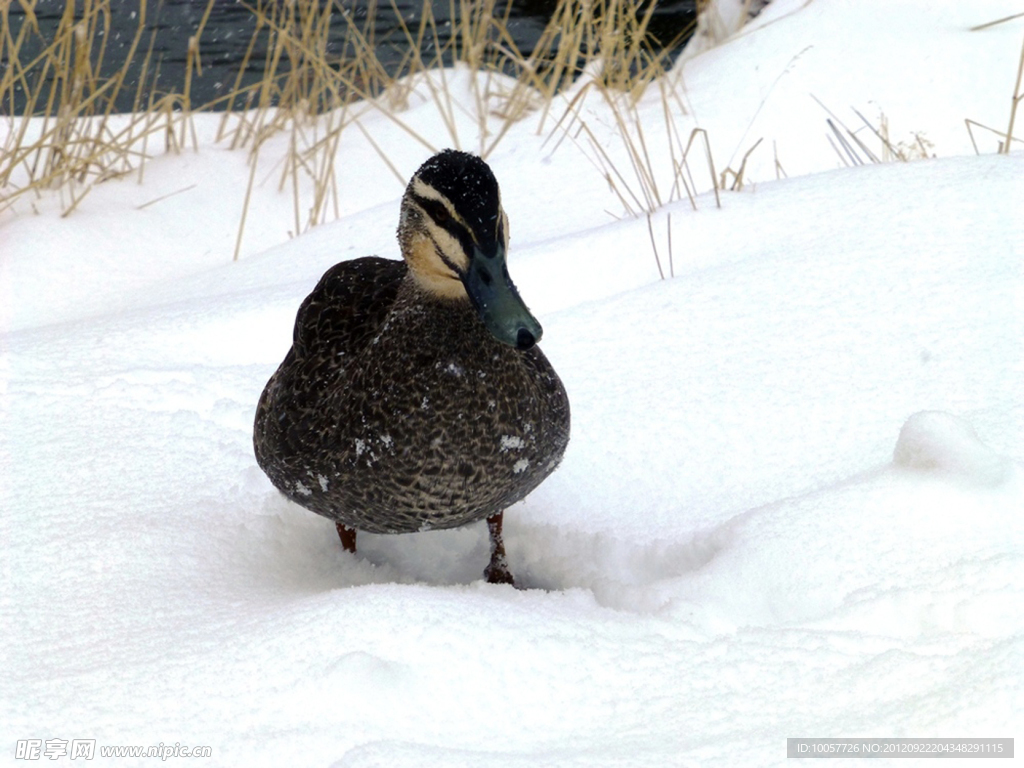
(69, 138)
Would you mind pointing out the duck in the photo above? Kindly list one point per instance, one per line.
(414, 396)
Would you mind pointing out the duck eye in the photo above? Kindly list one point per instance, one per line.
(440, 214)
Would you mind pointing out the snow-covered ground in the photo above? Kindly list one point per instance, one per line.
(793, 503)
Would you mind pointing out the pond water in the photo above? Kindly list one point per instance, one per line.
(231, 25)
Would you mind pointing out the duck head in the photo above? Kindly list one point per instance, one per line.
(454, 236)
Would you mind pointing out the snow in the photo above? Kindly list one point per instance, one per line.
(937, 442)
(791, 505)
(511, 442)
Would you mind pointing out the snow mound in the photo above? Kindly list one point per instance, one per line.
(943, 444)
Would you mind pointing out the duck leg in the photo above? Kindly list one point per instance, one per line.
(497, 570)
(348, 537)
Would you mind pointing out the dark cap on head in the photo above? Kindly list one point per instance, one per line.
(468, 182)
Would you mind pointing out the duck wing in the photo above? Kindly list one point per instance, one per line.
(341, 316)
(348, 306)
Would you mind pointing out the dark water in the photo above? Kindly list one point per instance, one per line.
(230, 28)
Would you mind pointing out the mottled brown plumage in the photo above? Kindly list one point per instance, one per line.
(397, 409)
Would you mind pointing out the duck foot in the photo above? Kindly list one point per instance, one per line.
(348, 537)
(497, 571)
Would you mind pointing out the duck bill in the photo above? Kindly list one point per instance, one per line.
(496, 300)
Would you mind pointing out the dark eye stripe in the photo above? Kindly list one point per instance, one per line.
(439, 213)
(447, 262)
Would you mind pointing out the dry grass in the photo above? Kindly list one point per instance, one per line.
(852, 149)
(1005, 139)
(68, 138)
(620, 63)
(308, 95)
(1014, 103)
(75, 140)
(641, 185)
